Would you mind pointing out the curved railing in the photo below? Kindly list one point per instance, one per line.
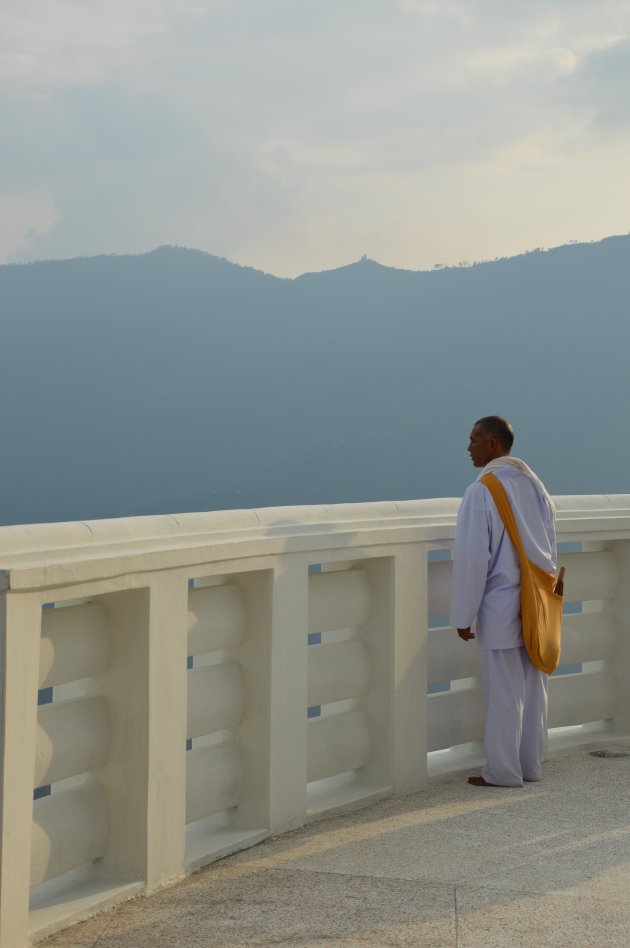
(177, 688)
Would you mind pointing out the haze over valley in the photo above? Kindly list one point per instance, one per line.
(175, 380)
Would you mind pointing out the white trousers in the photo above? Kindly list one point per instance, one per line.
(515, 697)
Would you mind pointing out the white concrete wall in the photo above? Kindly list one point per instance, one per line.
(181, 672)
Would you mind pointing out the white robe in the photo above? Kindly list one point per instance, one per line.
(486, 572)
(486, 590)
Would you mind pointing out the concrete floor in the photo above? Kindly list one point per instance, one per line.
(456, 866)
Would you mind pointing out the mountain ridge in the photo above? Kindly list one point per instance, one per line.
(365, 262)
(176, 380)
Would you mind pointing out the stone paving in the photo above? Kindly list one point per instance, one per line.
(454, 865)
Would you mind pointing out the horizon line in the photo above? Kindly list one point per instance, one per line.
(364, 258)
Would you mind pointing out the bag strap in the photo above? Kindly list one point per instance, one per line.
(500, 497)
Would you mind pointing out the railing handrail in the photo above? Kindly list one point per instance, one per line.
(49, 538)
(26, 551)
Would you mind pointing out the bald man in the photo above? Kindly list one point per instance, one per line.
(486, 590)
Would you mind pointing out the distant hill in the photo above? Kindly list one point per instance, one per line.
(176, 380)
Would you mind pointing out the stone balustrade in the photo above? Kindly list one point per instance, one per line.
(177, 688)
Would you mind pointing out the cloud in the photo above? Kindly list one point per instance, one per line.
(602, 85)
(80, 42)
(24, 218)
(545, 63)
(292, 135)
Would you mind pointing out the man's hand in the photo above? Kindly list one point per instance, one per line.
(466, 634)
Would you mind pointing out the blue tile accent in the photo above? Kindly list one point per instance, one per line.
(189, 661)
(437, 687)
(48, 605)
(314, 712)
(314, 638)
(191, 583)
(438, 622)
(40, 792)
(439, 556)
(571, 608)
(315, 568)
(571, 547)
(189, 743)
(568, 669)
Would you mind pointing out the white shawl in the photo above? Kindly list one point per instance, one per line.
(524, 469)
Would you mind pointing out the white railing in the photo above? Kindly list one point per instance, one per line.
(209, 679)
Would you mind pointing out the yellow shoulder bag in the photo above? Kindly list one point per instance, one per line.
(541, 605)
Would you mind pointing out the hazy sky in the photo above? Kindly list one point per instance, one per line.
(292, 135)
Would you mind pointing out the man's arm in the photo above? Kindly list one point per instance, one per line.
(472, 555)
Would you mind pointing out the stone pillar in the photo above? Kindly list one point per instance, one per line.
(409, 764)
(20, 633)
(166, 728)
(620, 666)
(288, 691)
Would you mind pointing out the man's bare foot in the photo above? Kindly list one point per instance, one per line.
(480, 782)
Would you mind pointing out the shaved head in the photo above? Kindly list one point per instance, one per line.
(494, 426)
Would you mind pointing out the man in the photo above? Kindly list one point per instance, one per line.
(486, 588)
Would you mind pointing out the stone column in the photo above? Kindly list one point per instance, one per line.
(20, 634)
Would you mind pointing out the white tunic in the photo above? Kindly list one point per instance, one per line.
(486, 572)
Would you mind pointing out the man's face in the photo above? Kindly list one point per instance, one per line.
(480, 447)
